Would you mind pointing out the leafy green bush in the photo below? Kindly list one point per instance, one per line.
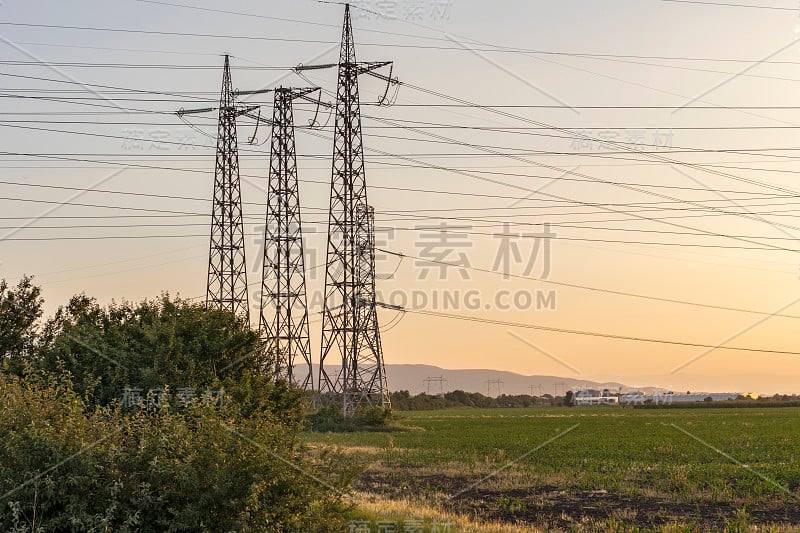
(75, 457)
(64, 467)
(331, 418)
(147, 345)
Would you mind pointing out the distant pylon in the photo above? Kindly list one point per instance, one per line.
(227, 268)
(498, 383)
(350, 334)
(284, 312)
(427, 382)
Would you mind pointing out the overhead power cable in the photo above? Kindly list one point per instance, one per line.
(508, 323)
(586, 287)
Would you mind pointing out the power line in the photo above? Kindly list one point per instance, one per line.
(586, 287)
(293, 21)
(116, 65)
(107, 49)
(61, 203)
(764, 247)
(261, 68)
(495, 149)
(449, 141)
(494, 49)
(628, 212)
(599, 180)
(481, 178)
(84, 133)
(489, 48)
(728, 4)
(417, 211)
(78, 101)
(122, 137)
(629, 147)
(596, 107)
(166, 33)
(87, 85)
(257, 218)
(387, 164)
(495, 129)
(593, 333)
(130, 259)
(393, 228)
(594, 179)
(504, 225)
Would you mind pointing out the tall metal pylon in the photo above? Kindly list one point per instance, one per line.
(284, 312)
(350, 334)
(227, 268)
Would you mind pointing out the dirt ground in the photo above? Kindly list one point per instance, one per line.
(551, 508)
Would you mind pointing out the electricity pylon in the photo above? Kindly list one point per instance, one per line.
(350, 334)
(430, 380)
(497, 383)
(227, 268)
(284, 312)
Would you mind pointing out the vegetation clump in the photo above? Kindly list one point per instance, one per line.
(208, 442)
(332, 419)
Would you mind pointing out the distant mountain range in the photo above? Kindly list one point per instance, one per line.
(415, 379)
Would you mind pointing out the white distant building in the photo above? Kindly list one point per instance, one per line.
(669, 397)
(633, 398)
(594, 397)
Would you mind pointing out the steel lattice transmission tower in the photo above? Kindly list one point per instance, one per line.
(227, 268)
(284, 312)
(350, 334)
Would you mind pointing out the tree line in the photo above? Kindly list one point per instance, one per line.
(404, 401)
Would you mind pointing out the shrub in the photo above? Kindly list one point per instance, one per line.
(202, 468)
(331, 418)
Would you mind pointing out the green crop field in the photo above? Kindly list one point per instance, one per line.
(579, 469)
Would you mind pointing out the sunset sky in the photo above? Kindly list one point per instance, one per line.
(505, 107)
